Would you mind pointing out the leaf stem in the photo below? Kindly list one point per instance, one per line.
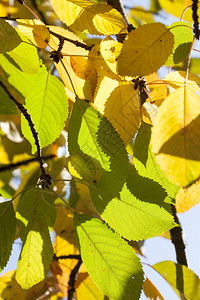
(177, 239)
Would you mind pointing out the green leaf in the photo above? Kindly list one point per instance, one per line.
(25, 56)
(8, 36)
(6, 105)
(7, 231)
(109, 260)
(183, 281)
(134, 214)
(92, 134)
(183, 37)
(48, 106)
(146, 163)
(35, 214)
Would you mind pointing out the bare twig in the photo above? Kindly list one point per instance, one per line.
(72, 279)
(177, 239)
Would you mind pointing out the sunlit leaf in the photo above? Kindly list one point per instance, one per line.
(139, 16)
(182, 280)
(135, 215)
(35, 31)
(9, 287)
(48, 106)
(92, 134)
(88, 16)
(169, 6)
(9, 36)
(177, 79)
(183, 37)
(120, 103)
(149, 45)
(145, 162)
(7, 232)
(175, 137)
(188, 197)
(75, 61)
(151, 291)
(35, 214)
(119, 273)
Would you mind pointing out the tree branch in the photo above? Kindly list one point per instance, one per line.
(23, 163)
(177, 239)
(46, 177)
(72, 279)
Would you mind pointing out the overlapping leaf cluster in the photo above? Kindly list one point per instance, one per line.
(116, 195)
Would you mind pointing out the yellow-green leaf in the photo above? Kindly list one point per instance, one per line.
(119, 102)
(145, 50)
(88, 16)
(35, 31)
(151, 291)
(176, 136)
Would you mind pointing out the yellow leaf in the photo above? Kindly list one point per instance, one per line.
(176, 7)
(3, 12)
(159, 94)
(64, 225)
(145, 50)
(34, 30)
(85, 287)
(120, 103)
(63, 267)
(177, 79)
(187, 198)
(89, 17)
(176, 136)
(75, 60)
(151, 291)
(9, 287)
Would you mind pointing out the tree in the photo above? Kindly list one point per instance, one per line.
(129, 140)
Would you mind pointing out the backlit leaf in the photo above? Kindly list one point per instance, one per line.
(169, 6)
(92, 134)
(35, 214)
(149, 45)
(151, 291)
(120, 103)
(188, 197)
(110, 261)
(48, 106)
(7, 231)
(183, 37)
(135, 215)
(145, 162)
(88, 16)
(177, 79)
(77, 64)
(9, 37)
(175, 137)
(182, 280)
(35, 31)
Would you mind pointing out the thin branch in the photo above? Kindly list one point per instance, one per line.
(76, 43)
(177, 239)
(195, 18)
(24, 111)
(72, 279)
(24, 163)
(70, 256)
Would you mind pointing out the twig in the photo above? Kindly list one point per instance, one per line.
(72, 279)
(76, 43)
(195, 18)
(23, 163)
(177, 239)
(70, 256)
(46, 177)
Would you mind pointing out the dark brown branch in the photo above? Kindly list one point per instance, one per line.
(70, 256)
(76, 43)
(72, 279)
(12, 166)
(24, 111)
(195, 18)
(177, 239)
